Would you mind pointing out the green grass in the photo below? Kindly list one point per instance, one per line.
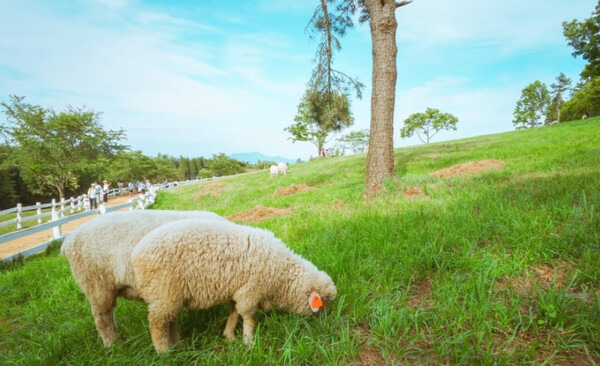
(501, 267)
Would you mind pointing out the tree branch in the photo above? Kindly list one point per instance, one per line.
(402, 3)
(329, 42)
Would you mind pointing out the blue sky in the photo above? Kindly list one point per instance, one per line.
(200, 77)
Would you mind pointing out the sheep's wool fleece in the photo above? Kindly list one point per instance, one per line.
(99, 251)
(200, 263)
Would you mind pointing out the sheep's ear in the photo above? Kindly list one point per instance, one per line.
(315, 302)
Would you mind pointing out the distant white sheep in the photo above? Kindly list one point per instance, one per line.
(99, 254)
(282, 168)
(200, 263)
(274, 170)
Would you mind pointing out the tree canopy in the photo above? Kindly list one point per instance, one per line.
(532, 106)
(319, 114)
(428, 124)
(585, 101)
(584, 37)
(557, 95)
(357, 141)
(56, 148)
(328, 26)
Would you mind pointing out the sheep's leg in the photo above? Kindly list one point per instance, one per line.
(102, 311)
(248, 329)
(246, 307)
(160, 319)
(229, 331)
(173, 333)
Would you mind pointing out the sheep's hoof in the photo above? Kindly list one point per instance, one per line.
(229, 336)
(249, 342)
(108, 343)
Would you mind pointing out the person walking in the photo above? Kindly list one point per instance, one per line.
(92, 195)
(105, 188)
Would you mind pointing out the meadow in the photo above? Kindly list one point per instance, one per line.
(489, 266)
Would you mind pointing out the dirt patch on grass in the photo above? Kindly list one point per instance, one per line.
(545, 348)
(11, 325)
(338, 205)
(293, 189)
(413, 193)
(367, 354)
(259, 213)
(212, 189)
(472, 167)
(420, 294)
(543, 275)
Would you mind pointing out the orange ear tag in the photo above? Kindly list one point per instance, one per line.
(315, 302)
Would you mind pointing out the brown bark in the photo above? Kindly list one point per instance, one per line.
(380, 157)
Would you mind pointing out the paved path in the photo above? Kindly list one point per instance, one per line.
(19, 245)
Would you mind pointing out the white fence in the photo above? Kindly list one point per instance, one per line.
(58, 218)
(72, 205)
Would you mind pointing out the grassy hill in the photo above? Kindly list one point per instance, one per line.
(501, 265)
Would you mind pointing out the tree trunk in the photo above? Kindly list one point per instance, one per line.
(380, 157)
(61, 192)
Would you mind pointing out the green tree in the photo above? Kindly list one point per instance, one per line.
(557, 93)
(428, 124)
(221, 165)
(184, 168)
(318, 115)
(8, 193)
(56, 149)
(584, 37)
(134, 165)
(532, 106)
(357, 141)
(381, 16)
(328, 27)
(585, 101)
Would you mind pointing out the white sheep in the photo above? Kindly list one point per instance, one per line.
(99, 254)
(200, 263)
(274, 171)
(282, 168)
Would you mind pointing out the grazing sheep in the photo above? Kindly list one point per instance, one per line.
(274, 171)
(200, 263)
(282, 168)
(99, 253)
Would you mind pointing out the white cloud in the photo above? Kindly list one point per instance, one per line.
(221, 81)
(508, 24)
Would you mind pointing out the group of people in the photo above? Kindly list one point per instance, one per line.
(98, 193)
(324, 153)
(139, 187)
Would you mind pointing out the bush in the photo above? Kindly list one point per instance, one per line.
(586, 101)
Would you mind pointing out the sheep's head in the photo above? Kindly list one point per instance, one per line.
(320, 292)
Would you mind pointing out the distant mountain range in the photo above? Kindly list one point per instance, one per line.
(254, 157)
